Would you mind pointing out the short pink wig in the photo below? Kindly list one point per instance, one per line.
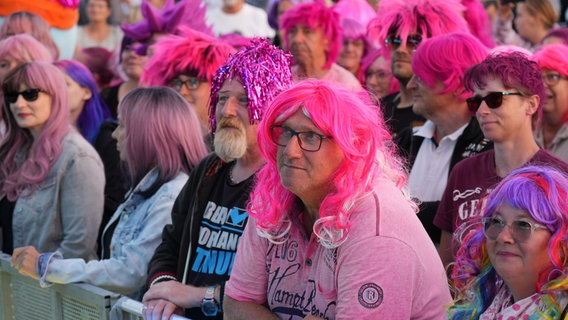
(25, 22)
(172, 121)
(553, 57)
(316, 15)
(192, 53)
(190, 13)
(26, 161)
(359, 130)
(24, 48)
(444, 59)
(428, 18)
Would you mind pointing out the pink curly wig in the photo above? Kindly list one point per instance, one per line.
(316, 15)
(444, 59)
(361, 134)
(191, 53)
(428, 18)
(190, 13)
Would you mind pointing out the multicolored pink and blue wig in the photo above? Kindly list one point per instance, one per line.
(428, 18)
(513, 69)
(95, 111)
(264, 71)
(478, 21)
(553, 57)
(26, 161)
(191, 53)
(445, 58)
(24, 48)
(543, 193)
(560, 33)
(172, 120)
(372, 55)
(316, 15)
(25, 22)
(190, 13)
(359, 130)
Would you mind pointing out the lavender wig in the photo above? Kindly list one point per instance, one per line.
(444, 59)
(190, 13)
(95, 111)
(25, 22)
(361, 134)
(26, 161)
(24, 48)
(513, 69)
(429, 18)
(192, 53)
(542, 192)
(264, 71)
(151, 117)
(316, 15)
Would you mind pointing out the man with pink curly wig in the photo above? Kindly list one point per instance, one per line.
(401, 27)
(187, 63)
(313, 34)
(332, 234)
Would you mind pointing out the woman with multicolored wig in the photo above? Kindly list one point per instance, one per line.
(187, 63)
(90, 115)
(330, 194)
(25, 22)
(551, 130)
(51, 178)
(513, 263)
(157, 172)
(377, 75)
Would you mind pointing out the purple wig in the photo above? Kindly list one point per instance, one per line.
(25, 22)
(26, 161)
(95, 110)
(361, 134)
(192, 53)
(264, 71)
(429, 18)
(513, 69)
(316, 15)
(190, 13)
(561, 33)
(172, 120)
(444, 59)
(542, 192)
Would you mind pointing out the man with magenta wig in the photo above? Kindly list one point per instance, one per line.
(313, 34)
(187, 63)
(401, 27)
(191, 265)
(450, 133)
(332, 233)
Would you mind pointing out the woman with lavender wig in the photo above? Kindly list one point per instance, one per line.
(512, 265)
(157, 172)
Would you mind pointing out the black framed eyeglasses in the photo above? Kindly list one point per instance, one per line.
(393, 41)
(28, 94)
(493, 100)
(308, 140)
(552, 79)
(191, 83)
(521, 230)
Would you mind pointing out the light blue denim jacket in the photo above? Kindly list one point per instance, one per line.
(133, 242)
(65, 211)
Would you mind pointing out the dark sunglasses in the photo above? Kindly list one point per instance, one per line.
(393, 41)
(28, 94)
(492, 99)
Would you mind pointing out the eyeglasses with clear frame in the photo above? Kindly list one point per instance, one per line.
(552, 79)
(521, 230)
(308, 140)
(190, 84)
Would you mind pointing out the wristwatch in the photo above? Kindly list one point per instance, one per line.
(209, 305)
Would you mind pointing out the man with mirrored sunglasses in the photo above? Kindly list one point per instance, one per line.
(401, 27)
(508, 92)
